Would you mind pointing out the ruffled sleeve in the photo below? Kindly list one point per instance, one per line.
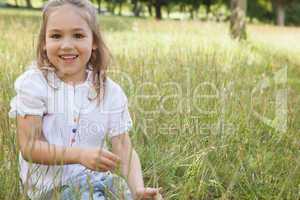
(119, 117)
(31, 95)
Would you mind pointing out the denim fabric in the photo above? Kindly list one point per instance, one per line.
(95, 186)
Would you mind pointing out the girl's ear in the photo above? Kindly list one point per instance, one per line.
(94, 47)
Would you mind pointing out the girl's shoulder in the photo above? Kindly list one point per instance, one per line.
(114, 94)
(31, 94)
(31, 77)
(112, 87)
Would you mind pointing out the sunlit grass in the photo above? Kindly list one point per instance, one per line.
(196, 134)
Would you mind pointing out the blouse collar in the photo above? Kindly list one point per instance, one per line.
(55, 82)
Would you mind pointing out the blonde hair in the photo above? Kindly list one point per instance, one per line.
(100, 57)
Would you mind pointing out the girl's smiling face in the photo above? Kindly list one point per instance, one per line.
(69, 43)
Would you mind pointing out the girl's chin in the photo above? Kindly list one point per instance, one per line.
(64, 73)
(67, 70)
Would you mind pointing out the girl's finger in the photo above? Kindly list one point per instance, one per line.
(158, 197)
(150, 191)
(107, 162)
(110, 155)
(102, 168)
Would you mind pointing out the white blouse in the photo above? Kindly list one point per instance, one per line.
(69, 117)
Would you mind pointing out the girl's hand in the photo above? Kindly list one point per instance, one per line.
(148, 193)
(98, 159)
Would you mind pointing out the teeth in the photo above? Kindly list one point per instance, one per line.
(68, 57)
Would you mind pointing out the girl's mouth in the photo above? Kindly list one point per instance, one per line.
(68, 58)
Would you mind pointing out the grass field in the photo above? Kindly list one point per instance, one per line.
(200, 103)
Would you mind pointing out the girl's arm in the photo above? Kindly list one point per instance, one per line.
(36, 149)
(131, 167)
(130, 163)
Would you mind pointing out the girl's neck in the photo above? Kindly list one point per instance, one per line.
(74, 80)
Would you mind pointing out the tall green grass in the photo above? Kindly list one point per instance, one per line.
(190, 93)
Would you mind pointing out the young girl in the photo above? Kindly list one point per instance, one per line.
(65, 105)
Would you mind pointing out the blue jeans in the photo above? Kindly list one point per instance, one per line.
(97, 186)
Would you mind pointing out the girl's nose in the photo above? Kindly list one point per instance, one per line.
(66, 44)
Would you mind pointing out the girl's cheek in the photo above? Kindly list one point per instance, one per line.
(52, 46)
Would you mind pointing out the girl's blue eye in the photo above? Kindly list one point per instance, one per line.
(55, 36)
(78, 36)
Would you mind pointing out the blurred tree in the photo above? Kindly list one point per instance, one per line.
(293, 13)
(208, 4)
(98, 4)
(191, 6)
(158, 4)
(113, 4)
(28, 4)
(119, 3)
(149, 6)
(279, 6)
(194, 8)
(260, 10)
(238, 19)
(16, 3)
(137, 7)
